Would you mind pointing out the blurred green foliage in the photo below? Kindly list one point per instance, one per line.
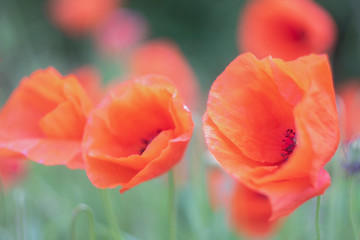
(205, 31)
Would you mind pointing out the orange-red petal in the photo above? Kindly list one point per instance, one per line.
(262, 116)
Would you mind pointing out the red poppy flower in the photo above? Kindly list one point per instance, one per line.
(349, 110)
(44, 118)
(273, 125)
(165, 58)
(77, 17)
(121, 31)
(285, 29)
(138, 132)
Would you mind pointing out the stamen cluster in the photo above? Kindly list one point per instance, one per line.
(289, 144)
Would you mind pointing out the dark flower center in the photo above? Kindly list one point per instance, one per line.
(146, 141)
(288, 144)
(297, 35)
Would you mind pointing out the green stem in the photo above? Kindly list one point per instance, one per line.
(317, 218)
(352, 210)
(77, 210)
(3, 203)
(19, 200)
(111, 218)
(172, 207)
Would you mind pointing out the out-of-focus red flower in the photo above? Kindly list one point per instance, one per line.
(12, 169)
(274, 125)
(350, 110)
(78, 17)
(44, 118)
(90, 79)
(121, 31)
(138, 132)
(285, 29)
(250, 211)
(165, 58)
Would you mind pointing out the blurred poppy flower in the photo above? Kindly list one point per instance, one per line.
(44, 118)
(90, 79)
(250, 211)
(12, 169)
(273, 125)
(165, 58)
(138, 132)
(120, 32)
(285, 29)
(350, 110)
(78, 17)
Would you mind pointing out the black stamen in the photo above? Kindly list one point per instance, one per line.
(147, 141)
(289, 144)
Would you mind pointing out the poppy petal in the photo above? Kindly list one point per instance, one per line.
(317, 130)
(285, 196)
(243, 81)
(47, 151)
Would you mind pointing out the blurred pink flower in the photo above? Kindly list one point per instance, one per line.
(121, 31)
